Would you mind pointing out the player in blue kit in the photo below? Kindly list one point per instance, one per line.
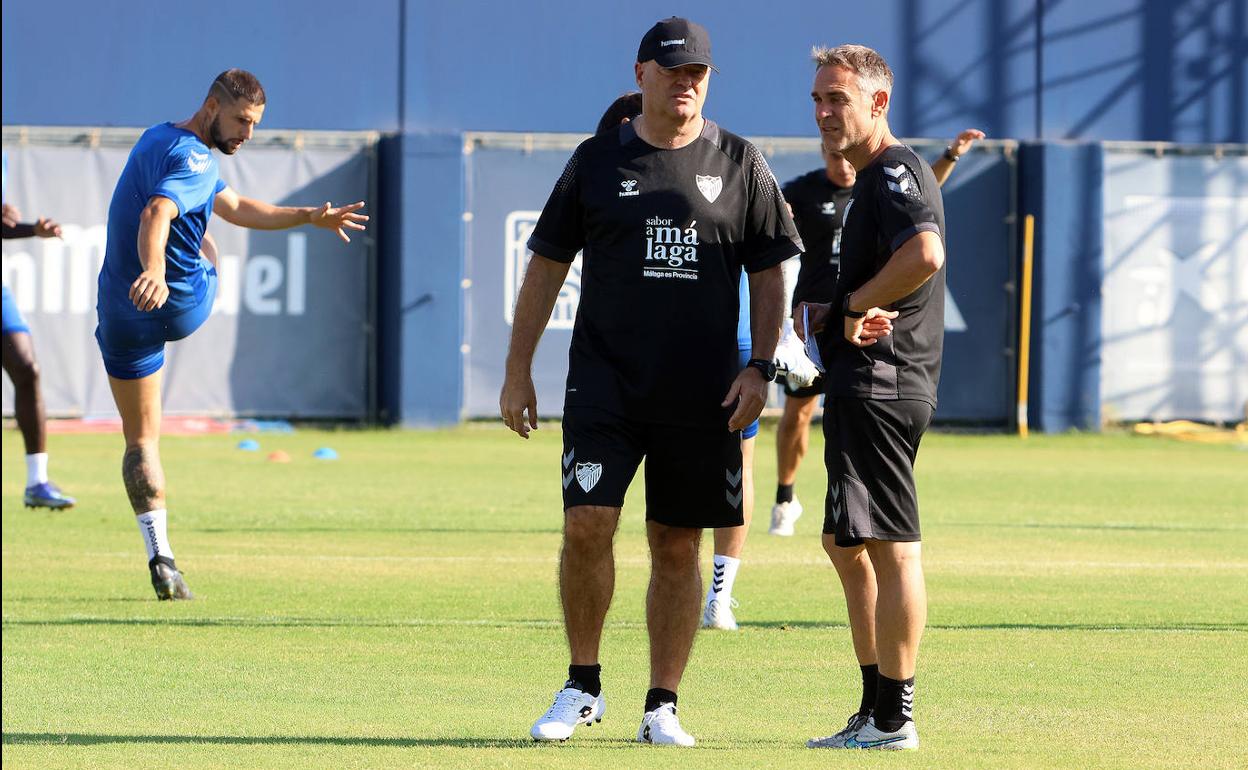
(156, 287)
(23, 370)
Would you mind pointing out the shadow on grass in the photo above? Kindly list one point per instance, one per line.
(788, 625)
(242, 622)
(1178, 626)
(1091, 527)
(371, 530)
(97, 739)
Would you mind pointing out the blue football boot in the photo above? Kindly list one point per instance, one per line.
(47, 495)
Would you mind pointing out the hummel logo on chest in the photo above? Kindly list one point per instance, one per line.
(630, 188)
(197, 162)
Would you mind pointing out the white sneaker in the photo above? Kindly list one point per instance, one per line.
(856, 722)
(784, 516)
(572, 707)
(791, 360)
(870, 737)
(718, 614)
(662, 727)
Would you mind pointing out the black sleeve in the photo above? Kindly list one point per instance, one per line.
(770, 235)
(793, 195)
(904, 208)
(560, 230)
(20, 230)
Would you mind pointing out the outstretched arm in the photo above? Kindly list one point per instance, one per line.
(258, 215)
(963, 142)
(15, 228)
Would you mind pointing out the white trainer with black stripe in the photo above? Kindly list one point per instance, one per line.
(572, 707)
(661, 727)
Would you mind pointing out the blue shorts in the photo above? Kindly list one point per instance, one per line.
(134, 348)
(751, 430)
(13, 321)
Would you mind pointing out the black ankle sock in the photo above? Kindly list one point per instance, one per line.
(658, 696)
(893, 703)
(784, 493)
(588, 677)
(870, 686)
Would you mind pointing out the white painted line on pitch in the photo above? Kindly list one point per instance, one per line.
(932, 565)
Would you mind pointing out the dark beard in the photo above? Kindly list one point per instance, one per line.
(218, 141)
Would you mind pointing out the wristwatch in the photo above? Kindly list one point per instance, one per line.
(766, 366)
(845, 311)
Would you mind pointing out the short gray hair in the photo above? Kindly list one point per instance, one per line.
(873, 72)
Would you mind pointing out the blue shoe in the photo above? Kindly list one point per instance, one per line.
(47, 495)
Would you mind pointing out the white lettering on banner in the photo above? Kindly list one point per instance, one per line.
(19, 276)
(58, 276)
(518, 227)
(297, 264)
(264, 276)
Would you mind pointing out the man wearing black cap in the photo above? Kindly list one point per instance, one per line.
(668, 209)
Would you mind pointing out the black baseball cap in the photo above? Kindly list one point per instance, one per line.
(676, 41)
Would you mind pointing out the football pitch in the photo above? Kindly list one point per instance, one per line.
(397, 608)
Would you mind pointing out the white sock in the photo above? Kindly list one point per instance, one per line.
(36, 469)
(722, 578)
(154, 528)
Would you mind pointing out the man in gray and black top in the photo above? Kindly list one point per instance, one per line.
(667, 210)
(881, 387)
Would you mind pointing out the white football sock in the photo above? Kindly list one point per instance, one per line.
(36, 469)
(153, 526)
(722, 578)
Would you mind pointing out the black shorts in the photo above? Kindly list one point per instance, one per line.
(813, 389)
(869, 450)
(693, 475)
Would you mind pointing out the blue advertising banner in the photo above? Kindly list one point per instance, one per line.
(509, 176)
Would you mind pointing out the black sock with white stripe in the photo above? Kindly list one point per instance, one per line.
(894, 703)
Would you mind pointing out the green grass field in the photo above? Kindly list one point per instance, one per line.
(397, 608)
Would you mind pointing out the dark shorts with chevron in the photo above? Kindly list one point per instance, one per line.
(869, 451)
(693, 475)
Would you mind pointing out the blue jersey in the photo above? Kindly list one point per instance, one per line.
(171, 162)
(743, 317)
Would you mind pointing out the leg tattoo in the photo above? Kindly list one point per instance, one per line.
(144, 478)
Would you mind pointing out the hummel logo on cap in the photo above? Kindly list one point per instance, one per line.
(675, 42)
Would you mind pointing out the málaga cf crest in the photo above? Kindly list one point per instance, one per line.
(709, 186)
(587, 475)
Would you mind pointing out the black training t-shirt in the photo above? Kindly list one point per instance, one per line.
(818, 211)
(665, 235)
(894, 199)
